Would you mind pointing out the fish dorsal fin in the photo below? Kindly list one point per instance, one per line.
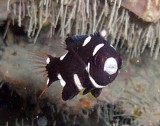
(75, 41)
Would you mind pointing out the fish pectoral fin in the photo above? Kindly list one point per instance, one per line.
(81, 92)
(69, 92)
(96, 92)
(87, 90)
(74, 42)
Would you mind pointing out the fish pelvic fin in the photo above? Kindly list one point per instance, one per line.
(44, 90)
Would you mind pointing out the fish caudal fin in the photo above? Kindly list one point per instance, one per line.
(52, 66)
(51, 70)
(48, 65)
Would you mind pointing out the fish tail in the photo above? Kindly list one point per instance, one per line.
(52, 68)
(47, 65)
(51, 71)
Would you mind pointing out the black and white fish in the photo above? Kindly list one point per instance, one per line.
(90, 64)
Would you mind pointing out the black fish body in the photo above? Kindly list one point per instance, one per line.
(66, 71)
(90, 64)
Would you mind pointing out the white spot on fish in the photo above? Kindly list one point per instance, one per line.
(47, 81)
(92, 80)
(63, 83)
(77, 82)
(86, 68)
(62, 57)
(94, 83)
(48, 60)
(110, 66)
(98, 47)
(87, 40)
(103, 33)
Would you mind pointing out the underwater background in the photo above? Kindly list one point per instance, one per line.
(28, 26)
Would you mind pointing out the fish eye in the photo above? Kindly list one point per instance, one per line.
(110, 66)
(98, 59)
